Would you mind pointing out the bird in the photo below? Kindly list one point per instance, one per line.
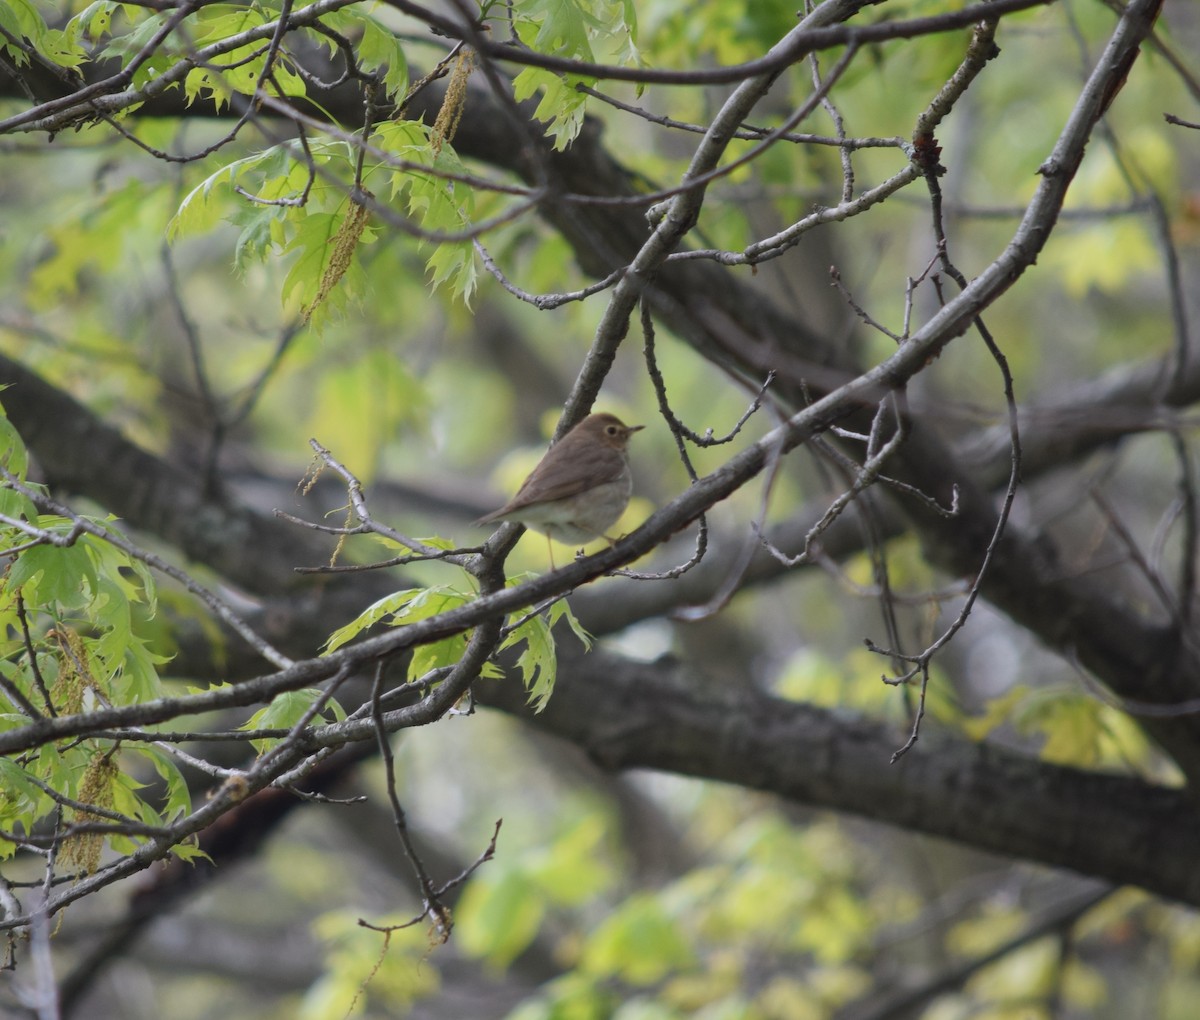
(579, 488)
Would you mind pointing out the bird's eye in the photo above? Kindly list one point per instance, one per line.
(611, 430)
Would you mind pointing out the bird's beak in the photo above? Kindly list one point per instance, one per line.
(634, 428)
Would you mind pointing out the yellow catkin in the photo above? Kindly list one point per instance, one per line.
(456, 99)
(342, 246)
(310, 479)
(74, 672)
(81, 852)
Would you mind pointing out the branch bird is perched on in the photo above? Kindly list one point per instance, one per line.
(580, 487)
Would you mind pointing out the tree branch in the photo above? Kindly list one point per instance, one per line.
(655, 715)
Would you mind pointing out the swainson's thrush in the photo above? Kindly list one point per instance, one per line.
(580, 487)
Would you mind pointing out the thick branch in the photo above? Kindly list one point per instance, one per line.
(81, 454)
(632, 715)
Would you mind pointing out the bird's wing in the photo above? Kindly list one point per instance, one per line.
(568, 474)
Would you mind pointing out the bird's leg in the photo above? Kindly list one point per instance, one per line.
(580, 553)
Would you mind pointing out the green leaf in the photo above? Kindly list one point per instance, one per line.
(370, 616)
(260, 228)
(95, 20)
(1095, 259)
(436, 655)
(61, 574)
(284, 712)
(241, 69)
(1073, 724)
(435, 202)
(379, 48)
(119, 223)
(20, 797)
(22, 20)
(835, 927)
(430, 602)
(189, 852)
(363, 403)
(581, 29)
(562, 107)
(18, 675)
(563, 28)
(407, 606)
(138, 671)
(200, 211)
(12, 451)
(997, 712)
(454, 262)
(538, 663)
(576, 867)
(561, 610)
(178, 800)
(499, 914)
(639, 944)
(133, 43)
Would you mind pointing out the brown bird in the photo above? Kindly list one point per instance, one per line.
(580, 487)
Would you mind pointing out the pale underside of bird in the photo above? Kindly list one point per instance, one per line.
(580, 487)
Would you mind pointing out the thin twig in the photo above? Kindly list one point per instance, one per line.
(432, 906)
(543, 302)
(747, 132)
